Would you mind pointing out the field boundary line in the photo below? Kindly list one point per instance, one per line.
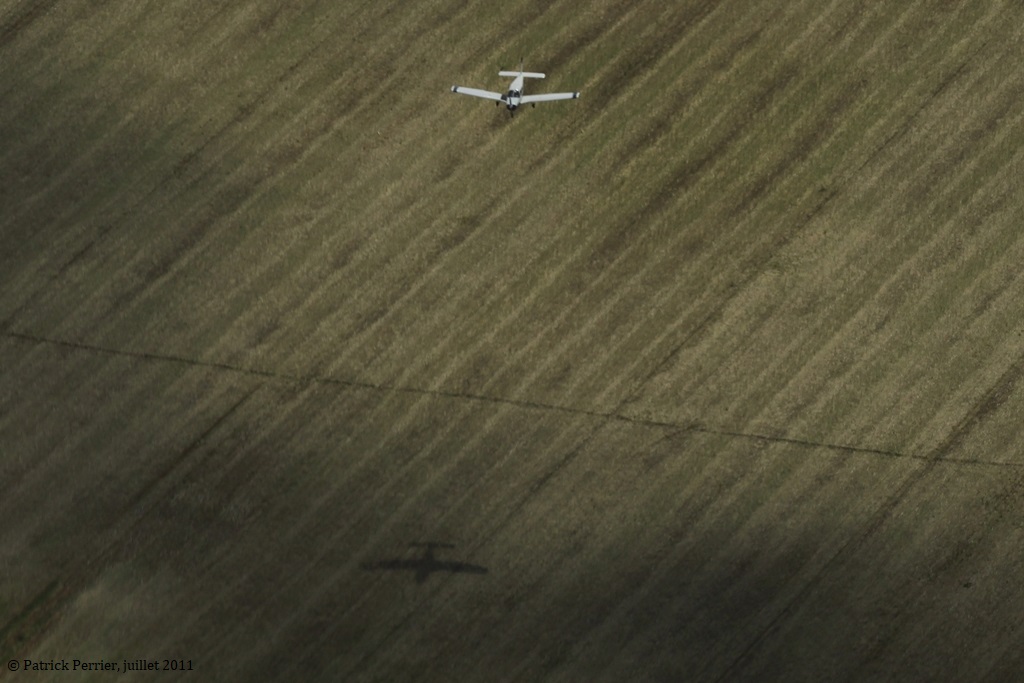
(934, 457)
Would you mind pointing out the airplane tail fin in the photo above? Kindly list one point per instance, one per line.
(525, 74)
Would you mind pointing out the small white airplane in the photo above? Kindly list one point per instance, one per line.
(515, 97)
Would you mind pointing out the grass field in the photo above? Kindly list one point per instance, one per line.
(716, 370)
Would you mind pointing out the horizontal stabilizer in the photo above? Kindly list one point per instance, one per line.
(525, 74)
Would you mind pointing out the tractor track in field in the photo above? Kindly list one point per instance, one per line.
(1001, 391)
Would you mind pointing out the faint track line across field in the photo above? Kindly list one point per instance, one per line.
(935, 457)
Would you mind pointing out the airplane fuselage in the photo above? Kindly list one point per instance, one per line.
(515, 93)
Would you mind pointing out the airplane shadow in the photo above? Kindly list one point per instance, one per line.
(423, 567)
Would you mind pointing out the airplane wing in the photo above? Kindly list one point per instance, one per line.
(391, 564)
(549, 97)
(464, 567)
(486, 94)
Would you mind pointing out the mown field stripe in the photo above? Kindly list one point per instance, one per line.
(905, 271)
(701, 377)
(856, 318)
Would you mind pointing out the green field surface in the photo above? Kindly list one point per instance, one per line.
(311, 370)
